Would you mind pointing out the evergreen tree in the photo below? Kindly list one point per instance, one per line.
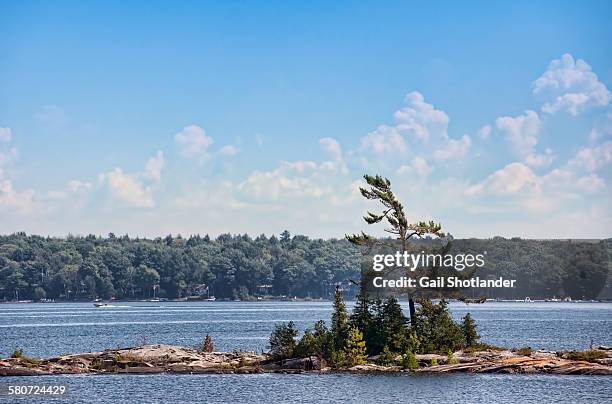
(339, 326)
(394, 325)
(468, 326)
(282, 340)
(362, 317)
(355, 350)
(436, 329)
(393, 213)
(376, 340)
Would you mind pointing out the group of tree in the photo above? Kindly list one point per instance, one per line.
(238, 267)
(378, 329)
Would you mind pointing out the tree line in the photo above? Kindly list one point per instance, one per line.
(240, 267)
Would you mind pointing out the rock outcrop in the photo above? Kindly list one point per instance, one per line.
(175, 359)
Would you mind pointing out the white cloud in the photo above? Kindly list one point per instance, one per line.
(128, 189)
(485, 132)
(513, 178)
(592, 158)
(418, 165)
(385, 139)
(19, 201)
(228, 150)
(193, 141)
(5, 135)
(541, 159)
(570, 85)
(453, 149)
(333, 148)
(154, 166)
(522, 132)
(420, 119)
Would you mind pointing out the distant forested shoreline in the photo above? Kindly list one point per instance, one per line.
(241, 267)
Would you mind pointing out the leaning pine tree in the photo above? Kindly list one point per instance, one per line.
(379, 189)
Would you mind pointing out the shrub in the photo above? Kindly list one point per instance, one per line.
(434, 362)
(450, 359)
(589, 356)
(355, 350)
(282, 340)
(386, 358)
(27, 360)
(409, 361)
(524, 351)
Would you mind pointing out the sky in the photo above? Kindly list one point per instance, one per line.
(155, 118)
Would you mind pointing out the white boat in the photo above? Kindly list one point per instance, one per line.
(210, 299)
(103, 305)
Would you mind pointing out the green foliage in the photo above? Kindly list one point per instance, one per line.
(17, 353)
(409, 360)
(468, 327)
(339, 324)
(28, 360)
(450, 358)
(433, 362)
(355, 350)
(524, 351)
(78, 268)
(436, 328)
(589, 356)
(386, 358)
(282, 341)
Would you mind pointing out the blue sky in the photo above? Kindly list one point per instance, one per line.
(153, 118)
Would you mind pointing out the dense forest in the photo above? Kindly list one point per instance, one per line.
(241, 267)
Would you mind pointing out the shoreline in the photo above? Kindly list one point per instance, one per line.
(161, 358)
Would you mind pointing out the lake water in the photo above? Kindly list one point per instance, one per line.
(53, 329)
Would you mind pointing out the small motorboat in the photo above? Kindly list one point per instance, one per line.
(102, 305)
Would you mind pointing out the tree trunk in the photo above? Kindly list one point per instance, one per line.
(412, 314)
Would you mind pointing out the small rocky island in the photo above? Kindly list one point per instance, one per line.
(175, 359)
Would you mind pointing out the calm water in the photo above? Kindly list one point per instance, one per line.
(52, 329)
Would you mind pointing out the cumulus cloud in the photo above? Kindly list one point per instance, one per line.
(570, 85)
(485, 132)
(193, 141)
(417, 166)
(385, 139)
(333, 148)
(522, 132)
(154, 166)
(453, 149)
(22, 202)
(592, 158)
(513, 178)
(420, 119)
(128, 189)
(5, 135)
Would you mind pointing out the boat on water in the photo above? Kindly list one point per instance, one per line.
(99, 304)
(210, 299)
